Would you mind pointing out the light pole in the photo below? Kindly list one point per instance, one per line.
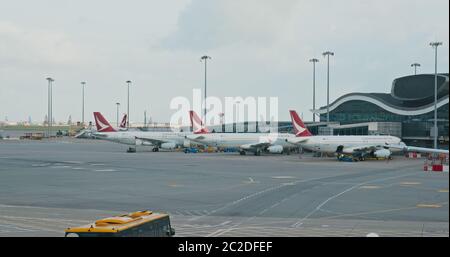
(205, 58)
(145, 118)
(128, 104)
(435, 129)
(238, 108)
(327, 54)
(49, 114)
(117, 114)
(415, 65)
(314, 86)
(82, 102)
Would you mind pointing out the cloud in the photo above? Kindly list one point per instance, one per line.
(212, 24)
(26, 47)
(259, 48)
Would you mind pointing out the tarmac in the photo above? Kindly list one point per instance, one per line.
(47, 186)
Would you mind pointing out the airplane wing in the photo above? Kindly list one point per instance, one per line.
(152, 141)
(418, 149)
(361, 148)
(195, 137)
(297, 140)
(256, 145)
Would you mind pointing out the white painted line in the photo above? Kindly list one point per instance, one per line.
(74, 162)
(345, 191)
(40, 165)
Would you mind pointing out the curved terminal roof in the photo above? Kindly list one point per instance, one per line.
(418, 87)
(410, 95)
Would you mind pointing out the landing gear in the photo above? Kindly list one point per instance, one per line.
(242, 152)
(156, 149)
(131, 150)
(257, 152)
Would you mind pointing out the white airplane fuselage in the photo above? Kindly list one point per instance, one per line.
(136, 137)
(331, 144)
(242, 140)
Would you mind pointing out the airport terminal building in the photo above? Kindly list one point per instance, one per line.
(407, 111)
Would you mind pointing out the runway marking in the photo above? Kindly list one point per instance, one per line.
(300, 222)
(443, 191)
(369, 187)
(14, 227)
(422, 205)
(106, 170)
(283, 177)
(97, 164)
(74, 162)
(174, 185)
(270, 189)
(407, 183)
(250, 181)
(78, 168)
(40, 164)
(378, 211)
(61, 166)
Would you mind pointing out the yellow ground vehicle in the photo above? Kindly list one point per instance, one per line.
(136, 224)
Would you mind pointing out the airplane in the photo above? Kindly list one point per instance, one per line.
(197, 124)
(376, 145)
(103, 125)
(246, 142)
(88, 133)
(123, 123)
(159, 140)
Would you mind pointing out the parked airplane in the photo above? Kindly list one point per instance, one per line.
(103, 125)
(159, 140)
(246, 142)
(197, 124)
(123, 123)
(88, 133)
(376, 146)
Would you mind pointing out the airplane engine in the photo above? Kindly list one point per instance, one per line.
(168, 146)
(275, 149)
(144, 143)
(382, 153)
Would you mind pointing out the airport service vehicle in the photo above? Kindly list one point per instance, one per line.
(374, 146)
(159, 140)
(245, 142)
(191, 150)
(345, 158)
(136, 224)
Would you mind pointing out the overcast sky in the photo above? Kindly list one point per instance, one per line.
(259, 48)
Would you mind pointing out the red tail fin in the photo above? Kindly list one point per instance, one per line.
(102, 124)
(197, 124)
(123, 123)
(300, 129)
